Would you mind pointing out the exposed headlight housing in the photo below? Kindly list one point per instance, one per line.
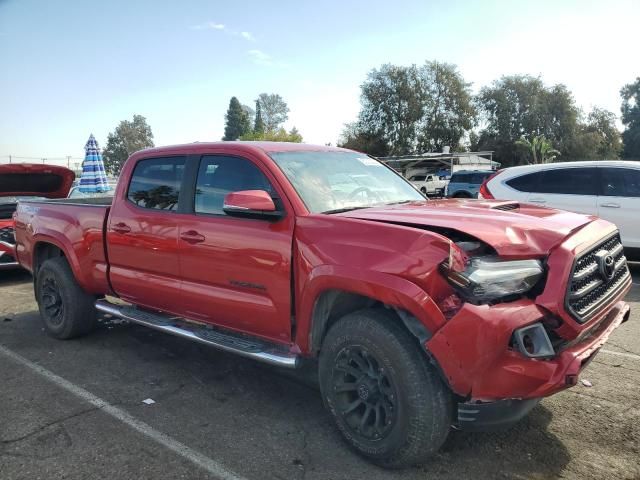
(486, 279)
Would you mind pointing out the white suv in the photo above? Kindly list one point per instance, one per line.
(608, 189)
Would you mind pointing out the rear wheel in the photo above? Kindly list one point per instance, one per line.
(385, 397)
(66, 310)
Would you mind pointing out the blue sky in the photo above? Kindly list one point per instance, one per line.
(70, 68)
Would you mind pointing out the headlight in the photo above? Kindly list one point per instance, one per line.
(489, 278)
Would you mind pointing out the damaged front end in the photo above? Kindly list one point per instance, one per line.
(513, 341)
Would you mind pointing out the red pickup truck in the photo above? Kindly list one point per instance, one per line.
(422, 314)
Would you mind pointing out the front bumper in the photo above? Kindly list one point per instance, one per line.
(475, 355)
(493, 415)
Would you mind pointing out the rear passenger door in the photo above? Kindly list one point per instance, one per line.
(142, 235)
(236, 272)
(574, 189)
(619, 202)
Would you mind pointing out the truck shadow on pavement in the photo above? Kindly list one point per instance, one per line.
(10, 278)
(220, 404)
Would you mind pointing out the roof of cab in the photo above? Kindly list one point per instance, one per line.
(237, 147)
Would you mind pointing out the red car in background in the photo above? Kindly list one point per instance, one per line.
(26, 182)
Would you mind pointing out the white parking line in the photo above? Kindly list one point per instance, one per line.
(621, 354)
(202, 461)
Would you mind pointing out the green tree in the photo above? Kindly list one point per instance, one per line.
(356, 138)
(521, 105)
(539, 148)
(598, 138)
(474, 141)
(258, 126)
(448, 109)
(273, 110)
(127, 138)
(631, 119)
(237, 121)
(279, 135)
(391, 100)
(412, 109)
(251, 115)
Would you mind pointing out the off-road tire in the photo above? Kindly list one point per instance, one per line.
(66, 310)
(421, 417)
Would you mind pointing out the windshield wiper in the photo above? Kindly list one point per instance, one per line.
(399, 202)
(344, 209)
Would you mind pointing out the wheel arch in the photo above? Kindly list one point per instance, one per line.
(90, 272)
(43, 250)
(331, 295)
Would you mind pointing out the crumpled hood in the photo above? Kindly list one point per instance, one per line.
(512, 229)
(24, 179)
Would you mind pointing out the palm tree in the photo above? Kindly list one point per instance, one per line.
(541, 149)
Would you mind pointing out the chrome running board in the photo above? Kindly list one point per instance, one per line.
(243, 345)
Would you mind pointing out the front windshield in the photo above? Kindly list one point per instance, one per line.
(337, 181)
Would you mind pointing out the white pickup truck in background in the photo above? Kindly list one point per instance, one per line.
(429, 184)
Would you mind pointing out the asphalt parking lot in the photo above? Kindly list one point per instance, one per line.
(75, 410)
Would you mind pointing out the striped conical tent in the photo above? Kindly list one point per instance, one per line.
(94, 177)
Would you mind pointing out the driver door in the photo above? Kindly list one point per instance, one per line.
(236, 272)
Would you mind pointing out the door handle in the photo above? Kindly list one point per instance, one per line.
(537, 200)
(610, 205)
(192, 237)
(121, 228)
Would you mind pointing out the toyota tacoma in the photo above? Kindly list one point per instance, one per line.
(422, 315)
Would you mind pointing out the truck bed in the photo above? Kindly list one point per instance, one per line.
(79, 201)
(74, 226)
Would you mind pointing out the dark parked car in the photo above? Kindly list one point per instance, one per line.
(466, 183)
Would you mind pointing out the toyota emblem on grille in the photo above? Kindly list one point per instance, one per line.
(606, 265)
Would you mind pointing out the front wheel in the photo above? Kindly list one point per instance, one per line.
(66, 310)
(385, 397)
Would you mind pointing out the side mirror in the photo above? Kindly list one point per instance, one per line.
(250, 204)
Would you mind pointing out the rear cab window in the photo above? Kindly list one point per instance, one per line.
(155, 183)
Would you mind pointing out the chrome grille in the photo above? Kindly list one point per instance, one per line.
(598, 275)
(7, 235)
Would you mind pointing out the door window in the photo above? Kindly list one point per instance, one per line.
(155, 183)
(218, 176)
(620, 182)
(478, 178)
(460, 178)
(570, 181)
(526, 183)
